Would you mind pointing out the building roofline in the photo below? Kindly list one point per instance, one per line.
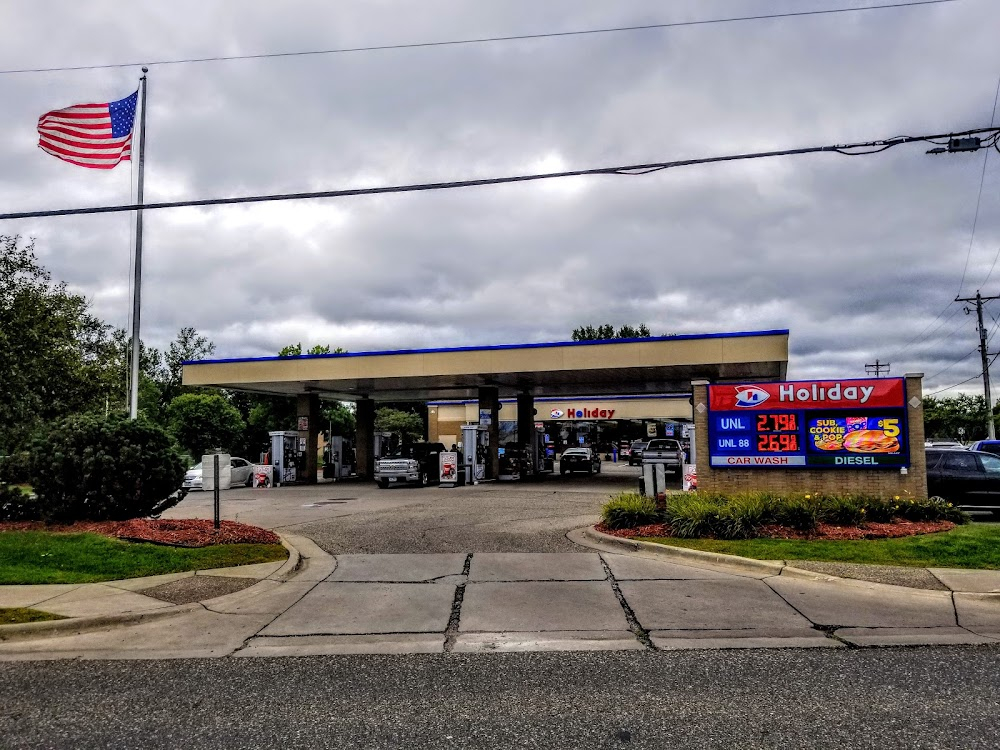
(495, 347)
(629, 397)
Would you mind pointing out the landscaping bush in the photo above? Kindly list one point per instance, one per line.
(629, 510)
(691, 516)
(880, 510)
(932, 509)
(845, 510)
(16, 504)
(93, 468)
(741, 515)
(797, 512)
(15, 468)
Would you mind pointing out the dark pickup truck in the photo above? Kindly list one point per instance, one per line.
(418, 462)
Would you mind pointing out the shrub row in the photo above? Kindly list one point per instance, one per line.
(741, 515)
(93, 468)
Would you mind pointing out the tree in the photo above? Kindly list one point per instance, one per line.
(116, 370)
(202, 422)
(943, 417)
(51, 348)
(409, 424)
(295, 350)
(607, 331)
(340, 417)
(188, 345)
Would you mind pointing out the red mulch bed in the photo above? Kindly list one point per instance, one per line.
(893, 530)
(173, 532)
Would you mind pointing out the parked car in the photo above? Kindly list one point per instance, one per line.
(968, 479)
(952, 444)
(635, 452)
(579, 459)
(241, 474)
(664, 451)
(986, 446)
(418, 462)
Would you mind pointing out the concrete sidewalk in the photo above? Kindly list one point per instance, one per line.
(610, 598)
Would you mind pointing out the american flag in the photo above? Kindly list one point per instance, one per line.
(97, 136)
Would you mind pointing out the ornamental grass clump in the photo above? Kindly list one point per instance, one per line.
(797, 512)
(931, 509)
(691, 516)
(841, 510)
(629, 510)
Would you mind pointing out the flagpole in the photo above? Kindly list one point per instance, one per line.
(133, 410)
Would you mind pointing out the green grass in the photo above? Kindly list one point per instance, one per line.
(971, 546)
(29, 557)
(17, 615)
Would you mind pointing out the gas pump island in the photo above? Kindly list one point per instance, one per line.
(618, 367)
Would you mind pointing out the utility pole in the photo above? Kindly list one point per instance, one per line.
(877, 369)
(978, 299)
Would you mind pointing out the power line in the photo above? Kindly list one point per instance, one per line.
(483, 40)
(964, 357)
(979, 197)
(632, 170)
(921, 335)
(967, 380)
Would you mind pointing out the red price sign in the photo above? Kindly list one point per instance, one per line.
(777, 423)
(784, 443)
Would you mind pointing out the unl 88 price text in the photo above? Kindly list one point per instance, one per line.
(783, 443)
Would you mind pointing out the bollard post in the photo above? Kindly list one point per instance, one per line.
(216, 491)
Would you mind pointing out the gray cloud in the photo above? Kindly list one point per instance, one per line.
(855, 255)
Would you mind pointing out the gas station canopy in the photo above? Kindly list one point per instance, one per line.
(569, 368)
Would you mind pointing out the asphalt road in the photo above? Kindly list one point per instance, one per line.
(492, 517)
(892, 698)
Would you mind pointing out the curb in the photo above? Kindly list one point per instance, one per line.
(769, 567)
(74, 625)
(292, 565)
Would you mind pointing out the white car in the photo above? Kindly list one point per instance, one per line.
(242, 474)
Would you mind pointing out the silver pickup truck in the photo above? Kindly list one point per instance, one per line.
(666, 452)
(411, 463)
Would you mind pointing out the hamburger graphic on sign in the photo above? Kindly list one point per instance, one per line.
(855, 434)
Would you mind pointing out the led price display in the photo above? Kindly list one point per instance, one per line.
(778, 443)
(777, 422)
(836, 424)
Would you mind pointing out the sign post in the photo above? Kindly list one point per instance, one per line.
(216, 491)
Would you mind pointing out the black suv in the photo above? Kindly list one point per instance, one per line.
(965, 478)
(635, 452)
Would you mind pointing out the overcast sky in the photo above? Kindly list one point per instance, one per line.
(859, 257)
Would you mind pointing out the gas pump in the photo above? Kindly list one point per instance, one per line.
(337, 460)
(540, 460)
(382, 444)
(475, 449)
(283, 454)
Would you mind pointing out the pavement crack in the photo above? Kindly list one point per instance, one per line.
(641, 634)
(451, 632)
(256, 633)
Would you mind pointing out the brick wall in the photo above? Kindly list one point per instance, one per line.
(887, 482)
